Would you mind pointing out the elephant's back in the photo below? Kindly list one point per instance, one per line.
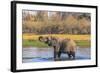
(71, 45)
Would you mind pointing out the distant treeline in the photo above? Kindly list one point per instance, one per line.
(46, 22)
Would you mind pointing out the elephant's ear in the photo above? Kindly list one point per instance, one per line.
(68, 39)
(49, 38)
(53, 38)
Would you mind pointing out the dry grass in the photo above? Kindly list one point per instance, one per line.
(28, 36)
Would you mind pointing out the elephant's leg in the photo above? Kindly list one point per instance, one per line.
(59, 54)
(69, 55)
(55, 53)
(73, 54)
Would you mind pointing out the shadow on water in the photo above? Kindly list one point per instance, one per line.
(33, 54)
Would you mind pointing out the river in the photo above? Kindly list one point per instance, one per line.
(33, 54)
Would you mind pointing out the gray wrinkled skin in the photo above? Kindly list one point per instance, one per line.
(67, 46)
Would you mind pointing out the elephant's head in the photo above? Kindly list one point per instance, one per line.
(51, 41)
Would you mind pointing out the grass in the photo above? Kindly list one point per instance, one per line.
(83, 43)
(30, 40)
(35, 43)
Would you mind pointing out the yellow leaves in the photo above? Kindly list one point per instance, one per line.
(69, 24)
(71, 20)
(84, 22)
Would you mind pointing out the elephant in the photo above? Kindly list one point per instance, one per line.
(60, 45)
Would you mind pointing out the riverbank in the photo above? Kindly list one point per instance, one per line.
(36, 43)
(31, 40)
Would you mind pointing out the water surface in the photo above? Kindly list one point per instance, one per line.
(33, 54)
